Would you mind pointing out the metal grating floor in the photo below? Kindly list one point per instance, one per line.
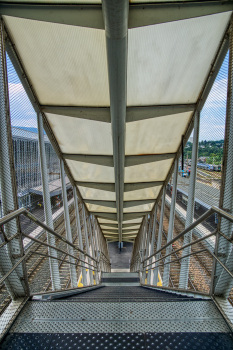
(75, 317)
(135, 341)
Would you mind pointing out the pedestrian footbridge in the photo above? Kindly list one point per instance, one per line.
(102, 107)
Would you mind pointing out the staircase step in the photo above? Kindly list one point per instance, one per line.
(111, 341)
(127, 294)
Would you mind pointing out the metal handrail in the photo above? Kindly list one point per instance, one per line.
(208, 213)
(185, 246)
(23, 211)
(202, 218)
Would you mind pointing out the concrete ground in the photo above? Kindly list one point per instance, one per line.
(120, 261)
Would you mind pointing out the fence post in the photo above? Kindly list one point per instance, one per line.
(53, 263)
(184, 269)
(73, 274)
(166, 272)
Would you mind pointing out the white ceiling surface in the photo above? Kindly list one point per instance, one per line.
(90, 193)
(149, 136)
(99, 208)
(81, 136)
(87, 172)
(155, 171)
(139, 208)
(67, 64)
(146, 193)
(167, 64)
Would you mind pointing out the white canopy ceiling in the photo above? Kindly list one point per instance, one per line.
(168, 64)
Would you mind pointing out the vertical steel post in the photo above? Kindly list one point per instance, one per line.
(147, 246)
(91, 243)
(152, 246)
(184, 270)
(159, 241)
(53, 263)
(9, 255)
(222, 281)
(87, 243)
(171, 226)
(73, 274)
(80, 239)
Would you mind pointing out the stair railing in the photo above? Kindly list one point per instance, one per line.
(166, 266)
(94, 265)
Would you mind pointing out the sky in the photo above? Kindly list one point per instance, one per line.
(212, 121)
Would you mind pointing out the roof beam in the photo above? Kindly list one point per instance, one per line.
(105, 215)
(97, 185)
(141, 185)
(76, 15)
(129, 204)
(141, 113)
(109, 204)
(92, 159)
(115, 13)
(129, 216)
(108, 160)
(100, 114)
(139, 14)
(149, 14)
(147, 158)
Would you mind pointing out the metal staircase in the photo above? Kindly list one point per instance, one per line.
(119, 315)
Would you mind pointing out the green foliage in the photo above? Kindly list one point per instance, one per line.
(211, 150)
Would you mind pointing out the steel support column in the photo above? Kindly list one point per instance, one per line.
(87, 243)
(73, 274)
(80, 239)
(222, 281)
(171, 226)
(91, 236)
(152, 246)
(116, 14)
(8, 255)
(159, 240)
(53, 263)
(184, 270)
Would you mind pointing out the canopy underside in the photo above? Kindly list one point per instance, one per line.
(167, 65)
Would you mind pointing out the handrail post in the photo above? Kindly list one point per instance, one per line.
(92, 242)
(184, 269)
(159, 241)
(73, 274)
(53, 263)
(80, 239)
(152, 246)
(171, 225)
(87, 242)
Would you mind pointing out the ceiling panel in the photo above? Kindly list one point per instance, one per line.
(139, 208)
(155, 171)
(91, 172)
(81, 136)
(168, 63)
(157, 135)
(99, 208)
(90, 193)
(66, 64)
(147, 193)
